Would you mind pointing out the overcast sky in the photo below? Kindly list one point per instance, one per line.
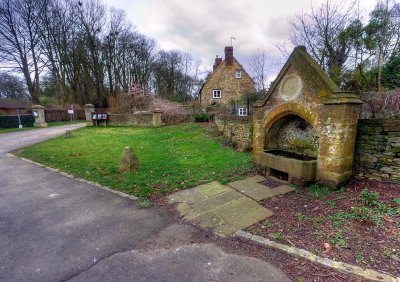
(204, 27)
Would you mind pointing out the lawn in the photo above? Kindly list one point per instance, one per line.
(174, 157)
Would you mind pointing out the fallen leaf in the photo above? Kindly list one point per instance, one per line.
(388, 219)
(396, 258)
(327, 247)
(315, 209)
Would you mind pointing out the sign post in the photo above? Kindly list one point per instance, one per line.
(19, 119)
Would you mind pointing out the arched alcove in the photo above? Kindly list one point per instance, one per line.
(293, 134)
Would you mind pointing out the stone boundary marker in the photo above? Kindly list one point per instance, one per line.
(357, 271)
(108, 189)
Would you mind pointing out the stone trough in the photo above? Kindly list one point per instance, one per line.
(295, 168)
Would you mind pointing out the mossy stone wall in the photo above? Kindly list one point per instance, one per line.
(235, 128)
(377, 154)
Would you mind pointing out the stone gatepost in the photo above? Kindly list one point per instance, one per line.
(89, 109)
(157, 122)
(38, 113)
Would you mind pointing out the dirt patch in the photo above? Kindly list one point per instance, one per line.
(354, 225)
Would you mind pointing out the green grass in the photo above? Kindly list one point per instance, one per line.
(174, 157)
(56, 123)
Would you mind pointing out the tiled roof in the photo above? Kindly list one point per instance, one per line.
(14, 104)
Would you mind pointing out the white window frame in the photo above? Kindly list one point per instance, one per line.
(238, 73)
(243, 112)
(217, 93)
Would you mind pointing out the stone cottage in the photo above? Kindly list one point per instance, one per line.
(226, 85)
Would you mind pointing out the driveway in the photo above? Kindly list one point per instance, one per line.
(15, 140)
(55, 228)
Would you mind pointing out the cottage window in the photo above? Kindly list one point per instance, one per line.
(217, 93)
(238, 74)
(242, 112)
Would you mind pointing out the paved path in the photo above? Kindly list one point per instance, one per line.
(227, 208)
(55, 228)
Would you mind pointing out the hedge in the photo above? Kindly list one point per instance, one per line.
(12, 121)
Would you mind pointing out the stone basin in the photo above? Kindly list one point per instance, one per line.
(296, 168)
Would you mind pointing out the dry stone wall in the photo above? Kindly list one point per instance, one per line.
(377, 154)
(236, 128)
(143, 119)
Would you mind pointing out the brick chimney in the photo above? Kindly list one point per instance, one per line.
(229, 55)
(217, 62)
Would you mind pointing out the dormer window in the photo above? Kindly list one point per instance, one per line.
(217, 93)
(238, 74)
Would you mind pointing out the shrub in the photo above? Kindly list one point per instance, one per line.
(173, 112)
(125, 103)
(366, 215)
(318, 191)
(369, 198)
(144, 204)
(12, 121)
(201, 118)
(381, 105)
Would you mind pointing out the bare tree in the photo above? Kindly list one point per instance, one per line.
(11, 86)
(258, 68)
(324, 32)
(19, 40)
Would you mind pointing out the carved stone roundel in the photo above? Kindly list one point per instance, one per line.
(290, 87)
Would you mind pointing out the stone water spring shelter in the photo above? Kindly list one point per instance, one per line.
(306, 114)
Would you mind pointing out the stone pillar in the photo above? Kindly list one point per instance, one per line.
(336, 144)
(157, 122)
(89, 109)
(38, 113)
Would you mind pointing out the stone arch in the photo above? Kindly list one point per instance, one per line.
(281, 111)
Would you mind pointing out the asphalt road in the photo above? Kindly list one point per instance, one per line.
(54, 228)
(15, 140)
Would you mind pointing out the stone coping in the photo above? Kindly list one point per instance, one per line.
(356, 271)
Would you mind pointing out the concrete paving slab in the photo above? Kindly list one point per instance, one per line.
(212, 189)
(175, 198)
(185, 210)
(284, 189)
(256, 178)
(191, 196)
(242, 213)
(224, 230)
(253, 190)
(216, 201)
(208, 220)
